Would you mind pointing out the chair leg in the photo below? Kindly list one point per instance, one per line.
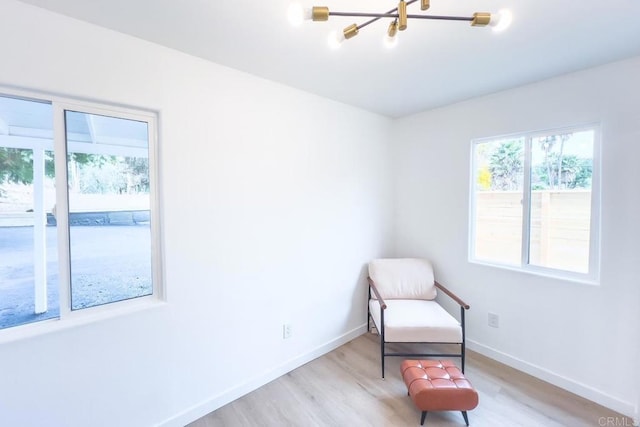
(382, 354)
(464, 339)
(424, 415)
(463, 351)
(466, 419)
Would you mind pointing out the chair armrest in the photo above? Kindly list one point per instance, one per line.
(452, 296)
(383, 305)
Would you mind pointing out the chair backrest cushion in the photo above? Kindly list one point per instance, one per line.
(403, 278)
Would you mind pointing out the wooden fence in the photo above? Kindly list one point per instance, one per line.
(560, 228)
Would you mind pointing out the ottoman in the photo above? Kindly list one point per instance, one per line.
(438, 385)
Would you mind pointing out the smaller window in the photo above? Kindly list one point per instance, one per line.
(535, 202)
(109, 209)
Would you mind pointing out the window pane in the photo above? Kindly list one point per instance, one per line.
(108, 184)
(498, 178)
(561, 170)
(28, 249)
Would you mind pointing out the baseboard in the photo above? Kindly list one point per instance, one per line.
(215, 402)
(575, 387)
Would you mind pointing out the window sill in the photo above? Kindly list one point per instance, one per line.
(547, 273)
(79, 318)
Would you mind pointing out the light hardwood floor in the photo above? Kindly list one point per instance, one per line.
(344, 388)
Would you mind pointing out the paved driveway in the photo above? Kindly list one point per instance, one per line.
(109, 263)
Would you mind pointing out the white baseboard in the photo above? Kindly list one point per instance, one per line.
(575, 387)
(215, 402)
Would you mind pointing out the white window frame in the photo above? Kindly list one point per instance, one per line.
(67, 317)
(593, 276)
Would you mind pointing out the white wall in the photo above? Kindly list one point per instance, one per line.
(273, 201)
(584, 338)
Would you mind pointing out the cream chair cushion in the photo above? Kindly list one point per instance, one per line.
(416, 321)
(403, 278)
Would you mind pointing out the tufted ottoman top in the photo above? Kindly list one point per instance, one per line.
(438, 385)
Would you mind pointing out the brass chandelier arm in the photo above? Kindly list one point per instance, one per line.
(395, 15)
(376, 18)
(443, 17)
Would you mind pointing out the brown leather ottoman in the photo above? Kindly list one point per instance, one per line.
(438, 385)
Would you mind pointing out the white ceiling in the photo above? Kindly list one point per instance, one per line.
(435, 62)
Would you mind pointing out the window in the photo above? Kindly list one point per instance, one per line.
(78, 223)
(535, 202)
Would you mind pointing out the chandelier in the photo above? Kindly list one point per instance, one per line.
(399, 18)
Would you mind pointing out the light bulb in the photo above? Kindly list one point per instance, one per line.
(335, 39)
(501, 21)
(391, 38)
(390, 42)
(296, 14)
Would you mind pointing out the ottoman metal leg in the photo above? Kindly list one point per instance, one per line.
(466, 419)
(424, 415)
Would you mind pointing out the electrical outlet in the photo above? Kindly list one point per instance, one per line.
(286, 331)
(493, 320)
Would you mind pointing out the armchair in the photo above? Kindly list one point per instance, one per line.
(403, 309)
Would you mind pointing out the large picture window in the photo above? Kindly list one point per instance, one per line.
(78, 224)
(535, 202)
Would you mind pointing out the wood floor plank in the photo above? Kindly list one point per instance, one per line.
(344, 388)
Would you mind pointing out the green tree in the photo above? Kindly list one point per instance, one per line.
(551, 158)
(113, 175)
(505, 165)
(584, 174)
(137, 169)
(575, 172)
(16, 164)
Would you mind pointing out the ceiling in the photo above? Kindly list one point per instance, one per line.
(435, 62)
